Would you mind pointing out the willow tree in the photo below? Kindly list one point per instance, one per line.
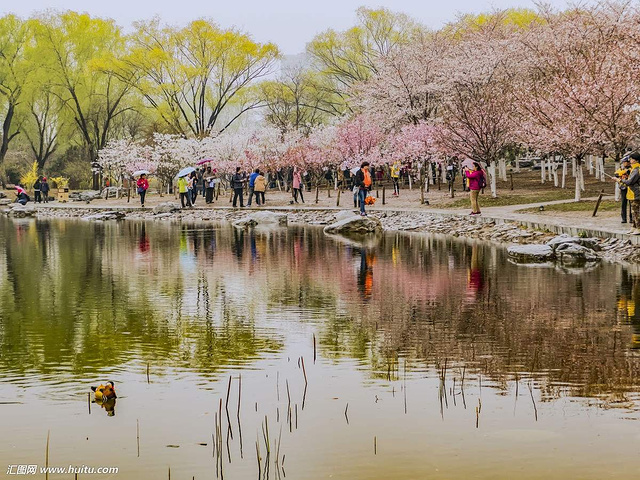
(14, 69)
(193, 75)
(296, 100)
(350, 57)
(69, 44)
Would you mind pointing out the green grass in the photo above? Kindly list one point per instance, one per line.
(584, 206)
(505, 199)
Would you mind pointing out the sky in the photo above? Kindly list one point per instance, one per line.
(288, 23)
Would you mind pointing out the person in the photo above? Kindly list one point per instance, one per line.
(22, 197)
(633, 184)
(44, 188)
(252, 182)
(297, 185)
(476, 183)
(210, 185)
(237, 183)
(202, 184)
(259, 187)
(625, 193)
(363, 182)
(183, 190)
(193, 187)
(143, 186)
(395, 176)
(37, 197)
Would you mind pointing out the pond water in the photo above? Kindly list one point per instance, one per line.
(408, 357)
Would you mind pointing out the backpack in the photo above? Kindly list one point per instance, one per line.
(483, 181)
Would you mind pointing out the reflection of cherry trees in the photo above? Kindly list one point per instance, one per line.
(183, 290)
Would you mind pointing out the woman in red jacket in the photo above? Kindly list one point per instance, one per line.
(476, 183)
(143, 185)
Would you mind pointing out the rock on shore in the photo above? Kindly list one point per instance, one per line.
(262, 218)
(355, 224)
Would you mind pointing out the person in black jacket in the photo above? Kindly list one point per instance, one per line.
(37, 197)
(363, 181)
(237, 183)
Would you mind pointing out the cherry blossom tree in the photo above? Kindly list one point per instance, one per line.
(477, 113)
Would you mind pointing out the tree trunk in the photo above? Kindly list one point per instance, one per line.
(542, 170)
(564, 172)
(517, 164)
(503, 169)
(578, 171)
(574, 169)
(492, 175)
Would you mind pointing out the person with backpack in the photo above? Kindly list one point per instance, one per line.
(625, 193)
(37, 190)
(363, 182)
(237, 183)
(395, 176)
(259, 187)
(183, 190)
(633, 188)
(44, 188)
(477, 181)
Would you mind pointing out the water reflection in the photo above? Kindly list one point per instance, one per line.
(81, 296)
(196, 305)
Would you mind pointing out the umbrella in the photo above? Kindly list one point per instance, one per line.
(137, 173)
(354, 170)
(206, 160)
(185, 171)
(467, 163)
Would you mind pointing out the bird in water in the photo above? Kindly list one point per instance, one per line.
(104, 392)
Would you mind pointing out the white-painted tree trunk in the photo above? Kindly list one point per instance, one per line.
(550, 164)
(581, 175)
(492, 175)
(574, 170)
(578, 192)
(517, 164)
(602, 175)
(564, 172)
(410, 182)
(542, 170)
(589, 164)
(503, 169)
(555, 174)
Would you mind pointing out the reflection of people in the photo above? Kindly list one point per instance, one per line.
(365, 274)
(628, 298)
(143, 243)
(475, 276)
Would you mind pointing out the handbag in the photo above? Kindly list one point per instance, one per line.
(140, 190)
(356, 189)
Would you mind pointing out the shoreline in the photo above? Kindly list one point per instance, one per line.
(614, 247)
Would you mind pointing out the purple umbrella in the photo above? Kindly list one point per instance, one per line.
(206, 160)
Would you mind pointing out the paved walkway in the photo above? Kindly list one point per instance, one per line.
(582, 223)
